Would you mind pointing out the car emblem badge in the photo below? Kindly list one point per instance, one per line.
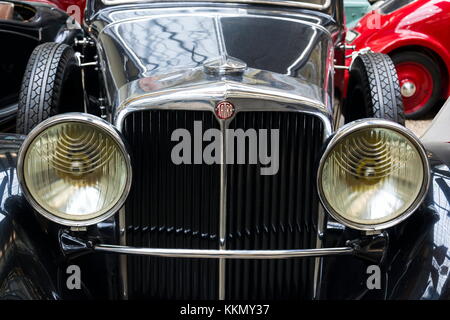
(224, 110)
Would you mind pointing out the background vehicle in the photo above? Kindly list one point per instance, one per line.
(27, 25)
(416, 36)
(74, 8)
(99, 188)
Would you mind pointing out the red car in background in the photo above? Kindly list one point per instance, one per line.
(74, 8)
(416, 35)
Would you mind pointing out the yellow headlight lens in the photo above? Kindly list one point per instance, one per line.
(75, 171)
(372, 176)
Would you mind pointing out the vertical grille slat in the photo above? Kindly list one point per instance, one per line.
(274, 212)
(177, 206)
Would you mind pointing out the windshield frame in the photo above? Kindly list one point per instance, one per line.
(287, 3)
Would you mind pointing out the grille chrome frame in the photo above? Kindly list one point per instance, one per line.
(245, 102)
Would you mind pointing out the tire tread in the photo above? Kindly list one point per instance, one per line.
(384, 89)
(41, 85)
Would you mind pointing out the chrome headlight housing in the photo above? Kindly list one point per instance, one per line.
(74, 169)
(373, 174)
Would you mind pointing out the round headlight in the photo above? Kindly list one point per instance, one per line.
(373, 174)
(74, 169)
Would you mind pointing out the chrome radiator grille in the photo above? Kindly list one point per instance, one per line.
(178, 206)
(170, 206)
(274, 211)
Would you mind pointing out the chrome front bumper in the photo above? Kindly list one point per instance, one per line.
(225, 254)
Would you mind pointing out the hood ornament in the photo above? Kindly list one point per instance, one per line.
(224, 65)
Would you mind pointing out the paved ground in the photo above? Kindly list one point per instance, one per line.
(418, 126)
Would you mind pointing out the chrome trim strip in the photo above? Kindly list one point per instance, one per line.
(318, 260)
(90, 119)
(225, 254)
(220, 40)
(375, 123)
(287, 3)
(123, 261)
(222, 277)
(223, 210)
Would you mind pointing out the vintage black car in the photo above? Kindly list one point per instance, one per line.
(202, 150)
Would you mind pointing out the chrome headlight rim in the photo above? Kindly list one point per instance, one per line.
(362, 124)
(76, 117)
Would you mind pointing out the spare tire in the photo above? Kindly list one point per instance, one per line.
(374, 90)
(51, 85)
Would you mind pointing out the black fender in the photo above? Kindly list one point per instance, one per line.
(25, 269)
(23, 276)
(419, 261)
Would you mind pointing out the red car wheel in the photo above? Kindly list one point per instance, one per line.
(420, 82)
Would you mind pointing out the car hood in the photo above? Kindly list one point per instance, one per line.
(139, 45)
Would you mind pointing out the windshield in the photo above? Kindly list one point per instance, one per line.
(391, 6)
(309, 4)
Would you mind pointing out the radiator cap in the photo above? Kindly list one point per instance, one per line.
(225, 65)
